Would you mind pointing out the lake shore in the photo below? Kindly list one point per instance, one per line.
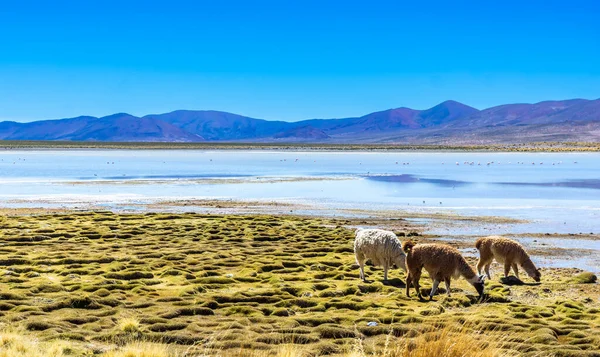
(283, 146)
(559, 250)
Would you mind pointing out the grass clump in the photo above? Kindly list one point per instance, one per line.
(189, 311)
(585, 277)
(444, 343)
(130, 275)
(16, 343)
(335, 331)
(129, 325)
(167, 327)
(38, 325)
(73, 303)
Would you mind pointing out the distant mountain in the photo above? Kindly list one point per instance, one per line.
(449, 122)
(394, 119)
(550, 112)
(391, 119)
(214, 125)
(303, 133)
(125, 127)
(44, 129)
(116, 127)
(445, 113)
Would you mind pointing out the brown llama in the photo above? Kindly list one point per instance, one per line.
(506, 251)
(442, 262)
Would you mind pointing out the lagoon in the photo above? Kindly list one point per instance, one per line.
(556, 192)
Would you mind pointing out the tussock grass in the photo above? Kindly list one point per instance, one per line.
(15, 343)
(585, 277)
(193, 284)
(445, 342)
(143, 349)
(129, 325)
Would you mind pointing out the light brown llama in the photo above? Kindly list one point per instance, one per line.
(507, 252)
(442, 262)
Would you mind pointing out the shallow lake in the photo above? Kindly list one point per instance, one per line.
(558, 193)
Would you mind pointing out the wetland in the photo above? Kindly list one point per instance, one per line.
(245, 253)
(238, 282)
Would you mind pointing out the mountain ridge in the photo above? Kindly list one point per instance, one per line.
(447, 122)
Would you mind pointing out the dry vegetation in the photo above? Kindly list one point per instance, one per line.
(192, 285)
(542, 146)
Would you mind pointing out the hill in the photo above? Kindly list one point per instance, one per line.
(449, 122)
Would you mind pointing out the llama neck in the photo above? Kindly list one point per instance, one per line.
(528, 265)
(467, 272)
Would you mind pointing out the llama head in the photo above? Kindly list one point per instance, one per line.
(479, 285)
(537, 275)
(400, 262)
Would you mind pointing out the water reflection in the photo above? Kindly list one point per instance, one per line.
(409, 178)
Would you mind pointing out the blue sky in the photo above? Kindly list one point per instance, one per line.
(291, 60)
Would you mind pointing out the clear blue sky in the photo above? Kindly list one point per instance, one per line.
(291, 60)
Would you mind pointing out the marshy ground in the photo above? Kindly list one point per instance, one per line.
(201, 282)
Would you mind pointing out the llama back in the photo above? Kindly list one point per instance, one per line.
(507, 249)
(369, 238)
(376, 244)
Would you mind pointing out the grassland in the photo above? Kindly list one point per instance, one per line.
(195, 284)
(524, 147)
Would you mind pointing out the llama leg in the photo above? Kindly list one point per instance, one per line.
(480, 265)
(417, 288)
(362, 272)
(415, 281)
(361, 266)
(434, 289)
(385, 271)
(484, 264)
(506, 269)
(447, 281)
(408, 282)
(515, 269)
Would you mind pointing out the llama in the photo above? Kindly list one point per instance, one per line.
(442, 262)
(506, 251)
(381, 247)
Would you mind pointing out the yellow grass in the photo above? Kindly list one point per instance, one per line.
(189, 285)
(142, 349)
(444, 343)
(129, 325)
(14, 343)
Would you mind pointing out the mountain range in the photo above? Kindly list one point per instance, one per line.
(449, 122)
